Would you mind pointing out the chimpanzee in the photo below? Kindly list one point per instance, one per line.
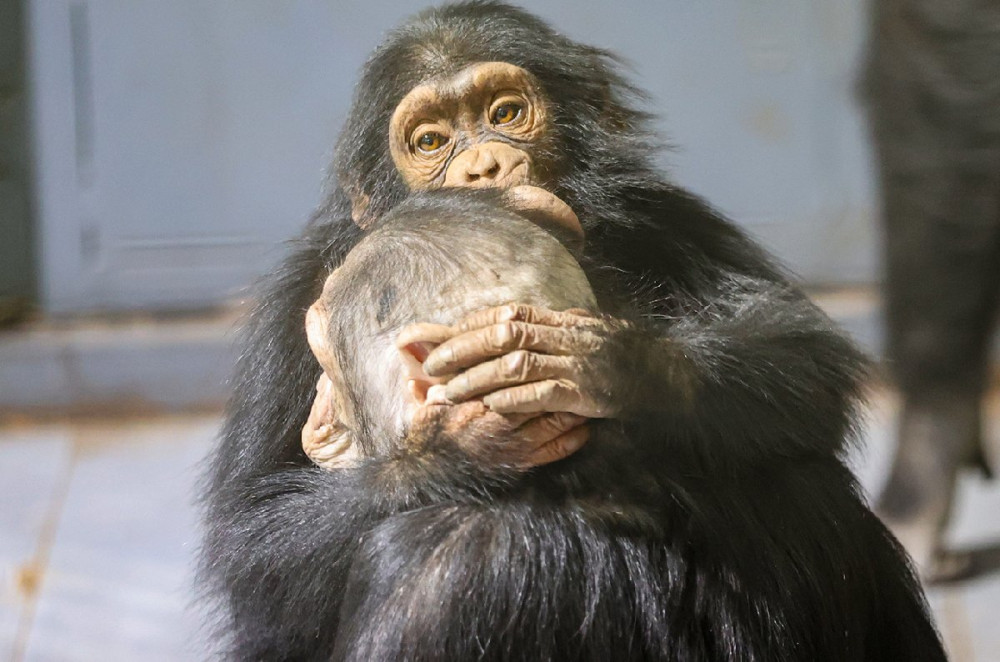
(460, 553)
(737, 368)
(934, 112)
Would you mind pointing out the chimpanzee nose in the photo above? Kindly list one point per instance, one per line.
(489, 164)
(485, 166)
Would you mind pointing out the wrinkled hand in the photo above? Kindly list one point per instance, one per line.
(524, 359)
(518, 440)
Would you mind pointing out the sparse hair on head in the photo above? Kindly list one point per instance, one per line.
(436, 258)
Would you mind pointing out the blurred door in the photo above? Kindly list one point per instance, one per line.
(179, 143)
(17, 260)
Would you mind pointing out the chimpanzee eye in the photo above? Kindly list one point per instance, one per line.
(506, 113)
(431, 141)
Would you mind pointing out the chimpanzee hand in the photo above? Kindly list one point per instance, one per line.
(517, 440)
(520, 440)
(527, 359)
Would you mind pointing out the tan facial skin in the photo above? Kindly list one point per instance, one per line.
(488, 126)
(480, 128)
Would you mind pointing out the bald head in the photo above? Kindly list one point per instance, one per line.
(436, 258)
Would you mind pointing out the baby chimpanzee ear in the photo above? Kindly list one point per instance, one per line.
(413, 355)
(415, 343)
(419, 350)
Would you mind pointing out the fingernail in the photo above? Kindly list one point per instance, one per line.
(576, 443)
(455, 385)
(437, 359)
(437, 395)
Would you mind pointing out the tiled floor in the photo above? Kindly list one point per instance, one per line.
(98, 529)
(97, 534)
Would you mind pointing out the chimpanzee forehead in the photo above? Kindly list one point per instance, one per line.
(483, 76)
(446, 95)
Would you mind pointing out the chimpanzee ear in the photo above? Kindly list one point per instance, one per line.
(419, 350)
(415, 343)
(417, 382)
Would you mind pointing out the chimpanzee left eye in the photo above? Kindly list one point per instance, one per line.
(506, 113)
(431, 141)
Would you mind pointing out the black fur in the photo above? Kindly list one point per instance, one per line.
(751, 541)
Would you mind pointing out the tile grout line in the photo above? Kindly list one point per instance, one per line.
(43, 551)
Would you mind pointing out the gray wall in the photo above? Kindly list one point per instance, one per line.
(179, 143)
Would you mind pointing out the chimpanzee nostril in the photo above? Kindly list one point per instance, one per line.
(488, 164)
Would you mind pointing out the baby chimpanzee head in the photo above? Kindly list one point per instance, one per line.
(434, 259)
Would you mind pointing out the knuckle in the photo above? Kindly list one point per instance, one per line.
(543, 390)
(568, 340)
(558, 449)
(503, 335)
(587, 340)
(564, 392)
(518, 365)
(563, 420)
(553, 425)
(577, 368)
(562, 387)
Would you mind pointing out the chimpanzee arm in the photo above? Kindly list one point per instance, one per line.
(743, 363)
(271, 519)
(724, 351)
(280, 545)
(279, 532)
(501, 581)
(692, 570)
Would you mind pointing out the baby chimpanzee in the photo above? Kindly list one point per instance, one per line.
(406, 275)
(640, 545)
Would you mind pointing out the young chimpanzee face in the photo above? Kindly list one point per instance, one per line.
(432, 262)
(486, 126)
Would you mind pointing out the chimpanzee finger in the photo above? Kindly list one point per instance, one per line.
(559, 448)
(474, 347)
(424, 333)
(548, 395)
(515, 312)
(518, 367)
(545, 428)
